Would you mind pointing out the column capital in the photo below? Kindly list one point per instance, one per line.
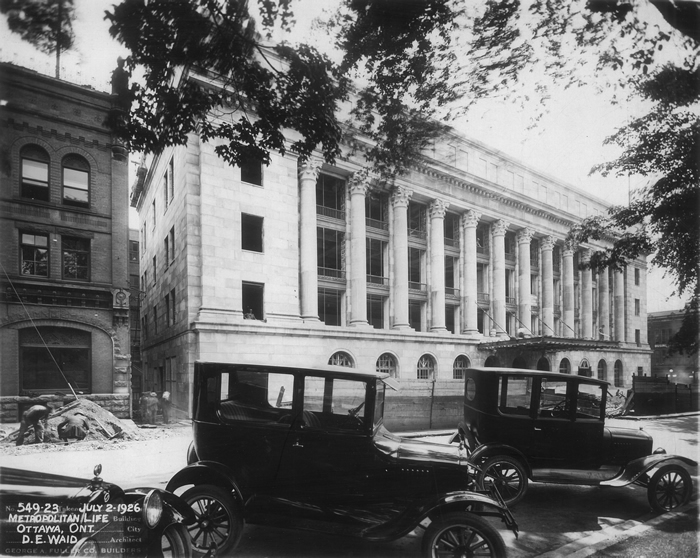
(525, 235)
(360, 181)
(470, 218)
(400, 196)
(547, 243)
(437, 209)
(310, 169)
(499, 227)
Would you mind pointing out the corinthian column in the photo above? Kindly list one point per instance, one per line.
(437, 264)
(399, 201)
(470, 219)
(547, 286)
(359, 184)
(524, 303)
(498, 232)
(619, 301)
(586, 297)
(568, 290)
(604, 304)
(308, 174)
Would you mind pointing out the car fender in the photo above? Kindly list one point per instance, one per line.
(437, 505)
(633, 471)
(207, 472)
(486, 451)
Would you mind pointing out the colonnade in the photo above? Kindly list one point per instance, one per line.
(400, 196)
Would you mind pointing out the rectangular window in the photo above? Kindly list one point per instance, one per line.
(254, 396)
(35, 179)
(153, 211)
(329, 301)
(534, 253)
(375, 311)
(251, 233)
(166, 249)
(251, 172)
(374, 211)
(416, 220)
(76, 258)
(75, 187)
(414, 314)
(450, 268)
(155, 266)
(509, 245)
(415, 274)
(450, 317)
(330, 196)
(375, 261)
(482, 239)
(144, 326)
(637, 307)
(173, 307)
(636, 277)
(34, 254)
(172, 244)
(451, 228)
(515, 395)
(638, 337)
(155, 319)
(330, 252)
(167, 310)
(133, 251)
(252, 300)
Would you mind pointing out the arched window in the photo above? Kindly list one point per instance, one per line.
(618, 374)
(386, 364)
(76, 181)
(425, 369)
(341, 358)
(35, 173)
(519, 362)
(492, 362)
(543, 364)
(602, 370)
(565, 366)
(461, 363)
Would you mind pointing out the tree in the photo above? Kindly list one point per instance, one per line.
(632, 55)
(46, 24)
(249, 90)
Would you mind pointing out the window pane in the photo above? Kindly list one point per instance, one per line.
(251, 233)
(35, 172)
(588, 401)
(514, 395)
(75, 179)
(553, 400)
(251, 172)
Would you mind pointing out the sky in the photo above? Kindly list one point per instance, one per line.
(566, 144)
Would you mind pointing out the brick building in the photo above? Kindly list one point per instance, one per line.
(64, 296)
(461, 262)
(678, 368)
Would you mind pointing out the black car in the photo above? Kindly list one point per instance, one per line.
(550, 427)
(307, 449)
(54, 515)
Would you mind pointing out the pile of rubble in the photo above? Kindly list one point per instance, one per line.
(101, 424)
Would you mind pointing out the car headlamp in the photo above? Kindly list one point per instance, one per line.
(152, 508)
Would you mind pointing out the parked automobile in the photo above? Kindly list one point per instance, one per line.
(54, 515)
(307, 449)
(522, 425)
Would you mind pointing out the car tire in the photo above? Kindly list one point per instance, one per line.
(669, 488)
(219, 519)
(175, 542)
(462, 534)
(509, 475)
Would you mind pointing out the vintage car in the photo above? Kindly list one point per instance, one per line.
(54, 515)
(307, 449)
(550, 427)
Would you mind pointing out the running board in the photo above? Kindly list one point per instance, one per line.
(575, 476)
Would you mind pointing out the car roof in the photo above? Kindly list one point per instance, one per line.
(342, 372)
(535, 373)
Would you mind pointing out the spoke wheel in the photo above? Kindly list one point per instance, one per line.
(175, 543)
(219, 522)
(507, 474)
(669, 488)
(462, 535)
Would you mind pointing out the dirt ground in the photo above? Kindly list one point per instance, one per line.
(106, 431)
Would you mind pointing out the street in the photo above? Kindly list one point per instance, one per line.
(554, 520)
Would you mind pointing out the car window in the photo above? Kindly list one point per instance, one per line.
(589, 401)
(255, 396)
(515, 395)
(554, 402)
(332, 403)
(379, 403)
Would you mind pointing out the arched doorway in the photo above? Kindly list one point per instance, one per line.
(602, 370)
(618, 374)
(543, 364)
(492, 362)
(519, 362)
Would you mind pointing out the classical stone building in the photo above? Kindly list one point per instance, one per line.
(64, 295)
(462, 262)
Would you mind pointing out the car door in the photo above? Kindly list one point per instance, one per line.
(552, 443)
(328, 456)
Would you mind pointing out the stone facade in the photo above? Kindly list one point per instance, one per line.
(63, 222)
(460, 263)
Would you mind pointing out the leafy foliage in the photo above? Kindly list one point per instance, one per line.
(37, 22)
